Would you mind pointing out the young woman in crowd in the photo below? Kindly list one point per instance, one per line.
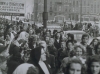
(71, 37)
(97, 48)
(70, 47)
(74, 67)
(93, 64)
(62, 53)
(51, 48)
(37, 58)
(32, 41)
(78, 54)
(91, 48)
(84, 42)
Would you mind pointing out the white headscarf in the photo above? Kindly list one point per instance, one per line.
(23, 68)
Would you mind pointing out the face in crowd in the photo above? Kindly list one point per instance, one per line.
(47, 39)
(95, 42)
(43, 55)
(43, 44)
(70, 45)
(51, 42)
(85, 39)
(98, 49)
(95, 67)
(63, 45)
(47, 33)
(58, 35)
(79, 51)
(93, 64)
(10, 30)
(74, 67)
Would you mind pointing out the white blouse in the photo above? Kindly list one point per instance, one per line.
(44, 67)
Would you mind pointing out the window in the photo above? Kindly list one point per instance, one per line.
(73, 3)
(77, 4)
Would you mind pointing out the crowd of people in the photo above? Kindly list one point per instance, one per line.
(27, 50)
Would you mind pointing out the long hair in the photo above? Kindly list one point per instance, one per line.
(96, 47)
(77, 61)
(90, 60)
(93, 41)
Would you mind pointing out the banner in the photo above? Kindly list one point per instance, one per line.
(16, 8)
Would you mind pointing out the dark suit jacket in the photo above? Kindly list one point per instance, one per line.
(57, 44)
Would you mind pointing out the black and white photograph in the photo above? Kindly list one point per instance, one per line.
(49, 36)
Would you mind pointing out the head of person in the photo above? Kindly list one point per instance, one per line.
(9, 28)
(93, 65)
(43, 44)
(79, 50)
(70, 44)
(74, 67)
(97, 48)
(85, 38)
(66, 36)
(30, 31)
(26, 68)
(94, 42)
(48, 33)
(63, 44)
(38, 54)
(70, 36)
(47, 38)
(22, 42)
(61, 33)
(57, 35)
(33, 39)
(51, 42)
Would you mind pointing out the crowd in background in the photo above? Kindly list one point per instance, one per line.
(91, 29)
(31, 50)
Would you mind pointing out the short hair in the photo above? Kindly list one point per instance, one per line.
(51, 39)
(56, 34)
(42, 42)
(69, 41)
(75, 60)
(90, 60)
(85, 35)
(78, 46)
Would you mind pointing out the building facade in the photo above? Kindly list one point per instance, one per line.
(70, 9)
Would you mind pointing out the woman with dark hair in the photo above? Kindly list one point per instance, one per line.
(32, 41)
(70, 48)
(91, 48)
(79, 51)
(74, 67)
(97, 49)
(93, 65)
(37, 58)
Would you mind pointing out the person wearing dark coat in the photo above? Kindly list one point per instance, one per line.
(57, 41)
(37, 58)
(51, 48)
(13, 62)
